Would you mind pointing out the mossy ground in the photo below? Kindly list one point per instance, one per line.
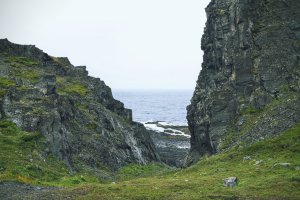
(250, 116)
(4, 84)
(70, 87)
(23, 159)
(31, 71)
(17, 61)
(259, 177)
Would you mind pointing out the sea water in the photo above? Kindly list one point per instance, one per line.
(150, 106)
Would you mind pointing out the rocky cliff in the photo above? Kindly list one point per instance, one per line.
(82, 123)
(248, 88)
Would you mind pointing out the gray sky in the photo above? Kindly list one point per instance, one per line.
(130, 44)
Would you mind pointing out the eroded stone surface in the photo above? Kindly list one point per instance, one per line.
(82, 123)
(248, 88)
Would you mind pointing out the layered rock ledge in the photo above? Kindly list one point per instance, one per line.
(248, 88)
(82, 123)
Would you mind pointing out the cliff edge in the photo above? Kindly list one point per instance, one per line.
(248, 88)
(80, 121)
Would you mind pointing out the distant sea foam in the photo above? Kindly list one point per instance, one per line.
(150, 106)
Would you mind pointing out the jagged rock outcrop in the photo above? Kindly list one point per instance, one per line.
(248, 88)
(82, 123)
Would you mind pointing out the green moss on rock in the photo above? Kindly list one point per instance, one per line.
(17, 61)
(70, 87)
(5, 83)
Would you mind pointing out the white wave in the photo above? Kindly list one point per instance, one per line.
(177, 133)
(165, 124)
(148, 121)
(171, 124)
(183, 146)
(154, 127)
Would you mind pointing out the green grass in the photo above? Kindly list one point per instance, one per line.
(250, 110)
(22, 159)
(138, 171)
(257, 180)
(5, 84)
(205, 179)
(22, 67)
(29, 74)
(70, 87)
(16, 61)
(252, 115)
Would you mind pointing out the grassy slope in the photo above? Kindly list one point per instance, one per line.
(22, 158)
(22, 154)
(257, 180)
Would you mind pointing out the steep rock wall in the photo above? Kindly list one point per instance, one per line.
(83, 124)
(248, 88)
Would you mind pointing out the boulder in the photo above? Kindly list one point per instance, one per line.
(230, 182)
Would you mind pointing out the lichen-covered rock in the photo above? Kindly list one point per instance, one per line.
(83, 124)
(249, 85)
(230, 182)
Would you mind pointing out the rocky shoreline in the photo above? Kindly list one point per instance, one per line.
(172, 141)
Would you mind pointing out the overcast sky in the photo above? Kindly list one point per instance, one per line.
(130, 44)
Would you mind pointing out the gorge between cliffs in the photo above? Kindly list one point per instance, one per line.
(64, 134)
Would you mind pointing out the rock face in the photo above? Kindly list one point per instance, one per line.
(83, 124)
(248, 88)
(172, 143)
